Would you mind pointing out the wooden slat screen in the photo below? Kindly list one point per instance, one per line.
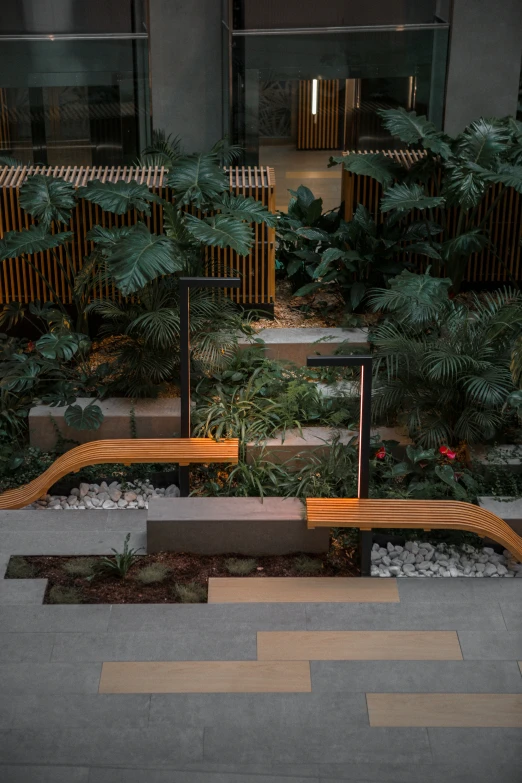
(504, 224)
(318, 131)
(19, 282)
(5, 138)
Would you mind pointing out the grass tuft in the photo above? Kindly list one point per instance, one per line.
(152, 574)
(307, 565)
(238, 567)
(191, 593)
(19, 568)
(64, 595)
(80, 567)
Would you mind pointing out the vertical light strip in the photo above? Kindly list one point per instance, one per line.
(314, 96)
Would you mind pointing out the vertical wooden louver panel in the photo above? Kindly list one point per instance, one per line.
(318, 131)
(20, 283)
(495, 264)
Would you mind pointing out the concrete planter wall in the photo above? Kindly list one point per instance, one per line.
(294, 345)
(154, 419)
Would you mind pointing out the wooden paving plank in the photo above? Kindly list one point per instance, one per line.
(313, 174)
(474, 710)
(358, 646)
(206, 677)
(306, 589)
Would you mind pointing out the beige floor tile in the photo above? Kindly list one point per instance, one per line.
(358, 646)
(472, 710)
(206, 677)
(307, 589)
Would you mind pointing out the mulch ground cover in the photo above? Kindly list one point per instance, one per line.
(184, 570)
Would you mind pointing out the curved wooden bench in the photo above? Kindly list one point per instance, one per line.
(426, 514)
(184, 451)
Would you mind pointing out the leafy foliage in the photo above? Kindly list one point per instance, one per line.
(121, 563)
(119, 197)
(441, 366)
(47, 199)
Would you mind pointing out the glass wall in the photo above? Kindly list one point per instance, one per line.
(74, 84)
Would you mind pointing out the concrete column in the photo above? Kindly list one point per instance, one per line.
(186, 70)
(484, 61)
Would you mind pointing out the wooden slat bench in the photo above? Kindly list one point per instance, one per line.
(426, 514)
(184, 451)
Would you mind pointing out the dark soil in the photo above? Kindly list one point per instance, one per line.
(184, 569)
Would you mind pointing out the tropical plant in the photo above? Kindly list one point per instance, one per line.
(330, 472)
(322, 252)
(454, 173)
(442, 366)
(121, 563)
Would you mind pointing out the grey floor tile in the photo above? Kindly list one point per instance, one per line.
(232, 710)
(22, 591)
(490, 646)
(174, 646)
(71, 710)
(47, 619)
(24, 774)
(69, 542)
(465, 772)
(490, 747)
(416, 676)
(512, 612)
(20, 647)
(459, 590)
(103, 745)
(223, 618)
(49, 677)
(405, 617)
(172, 776)
(288, 742)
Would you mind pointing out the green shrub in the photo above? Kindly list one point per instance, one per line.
(239, 567)
(80, 567)
(64, 595)
(191, 593)
(307, 565)
(19, 568)
(122, 562)
(152, 574)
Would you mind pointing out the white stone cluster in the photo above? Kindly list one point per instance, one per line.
(135, 494)
(419, 558)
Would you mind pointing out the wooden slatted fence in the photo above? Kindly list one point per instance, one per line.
(504, 225)
(20, 283)
(318, 131)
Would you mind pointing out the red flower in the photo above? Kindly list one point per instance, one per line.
(450, 454)
(30, 345)
(444, 449)
(381, 454)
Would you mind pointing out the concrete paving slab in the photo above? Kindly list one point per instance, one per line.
(36, 774)
(173, 646)
(118, 520)
(22, 591)
(222, 618)
(482, 746)
(70, 541)
(73, 710)
(29, 677)
(47, 619)
(164, 776)
(459, 590)
(487, 646)
(416, 676)
(405, 616)
(26, 647)
(512, 613)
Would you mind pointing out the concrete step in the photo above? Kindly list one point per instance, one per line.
(224, 525)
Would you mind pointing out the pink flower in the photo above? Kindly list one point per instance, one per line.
(450, 454)
(381, 454)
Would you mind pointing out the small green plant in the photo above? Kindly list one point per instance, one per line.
(191, 593)
(240, 567)
(307, 565)
(153, 574)
(123, 561)
(64, 595)
(19, 568)
(80, 567)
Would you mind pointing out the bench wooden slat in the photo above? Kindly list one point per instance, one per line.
(184, 451)
(368, 514)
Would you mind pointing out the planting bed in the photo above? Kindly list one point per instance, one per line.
(185, 582)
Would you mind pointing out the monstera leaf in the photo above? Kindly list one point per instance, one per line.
(139, 257)
(197, 179)
(222, 231)
(34, 239)
(119, 197)
(61, 345)
(88, 418)
(48, 199)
